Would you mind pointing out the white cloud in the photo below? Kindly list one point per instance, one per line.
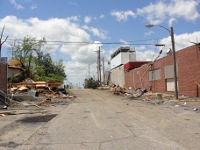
(73, 18)
(77, 55)
(78, 72)
(184, 8)
(140, 48)
(182, 40)
(16, 5)
(83, 54)
(87, 19)
(162, 10)
(147, 55)
(99, 33)
(171, 21)
(158, 12)
(154, 13)
(122, 15)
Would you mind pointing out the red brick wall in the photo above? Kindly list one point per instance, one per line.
(188, 70)
(137, 78)
(3, 77)
(160, 85)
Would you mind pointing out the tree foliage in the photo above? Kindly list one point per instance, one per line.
(37, 64)
(91, 83)
(24, 52)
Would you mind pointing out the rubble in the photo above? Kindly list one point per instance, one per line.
(153, 97)
(36, 95)
(3, 107)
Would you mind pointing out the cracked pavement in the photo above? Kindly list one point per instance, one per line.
(102, 121)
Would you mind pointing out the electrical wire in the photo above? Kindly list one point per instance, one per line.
(92, 43)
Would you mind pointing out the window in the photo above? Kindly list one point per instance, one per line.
(154, 75)
(169, 72)
(169, 76)
(170, 84)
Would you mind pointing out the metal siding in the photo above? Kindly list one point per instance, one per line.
(116, 61)
(132, 56)
(122, 58)
(117, 76)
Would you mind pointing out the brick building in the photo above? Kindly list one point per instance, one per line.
(159, 77)
(3, 81)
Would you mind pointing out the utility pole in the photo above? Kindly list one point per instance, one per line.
(1, 42)
(103, 68)
(99, 65)
(174, 60)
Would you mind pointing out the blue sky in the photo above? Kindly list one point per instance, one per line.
(99, 22)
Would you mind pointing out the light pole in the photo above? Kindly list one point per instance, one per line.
(171, 31)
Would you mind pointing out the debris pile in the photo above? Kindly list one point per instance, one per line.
(116, 89)
(36, 95)
(143, 94)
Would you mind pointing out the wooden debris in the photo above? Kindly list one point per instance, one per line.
(2, 115)
(22, 88)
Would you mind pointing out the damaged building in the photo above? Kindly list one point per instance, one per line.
(159, 76)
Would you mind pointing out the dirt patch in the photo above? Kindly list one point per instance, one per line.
(36, 119)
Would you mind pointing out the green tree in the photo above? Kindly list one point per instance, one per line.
(52, 71)
(37, 64)
(39, 73)
(24, 52)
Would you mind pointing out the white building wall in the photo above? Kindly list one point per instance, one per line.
(122, 58)
(117, 65)
(116, 61)
(117, 76)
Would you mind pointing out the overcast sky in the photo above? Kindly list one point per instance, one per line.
(105, 23)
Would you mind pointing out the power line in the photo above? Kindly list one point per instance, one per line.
(57, 42)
